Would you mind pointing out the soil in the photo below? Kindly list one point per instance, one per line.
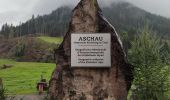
(34, 50)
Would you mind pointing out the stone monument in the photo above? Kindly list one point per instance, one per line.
(109, 79)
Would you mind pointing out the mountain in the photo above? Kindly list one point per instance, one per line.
(124, 16)
(128, 18)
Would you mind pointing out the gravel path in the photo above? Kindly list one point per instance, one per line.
(29, 97)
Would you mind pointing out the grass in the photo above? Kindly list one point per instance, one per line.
(56, 40)
(23, 76)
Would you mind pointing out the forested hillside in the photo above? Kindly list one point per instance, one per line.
(128, 18)
(54, 24)
(124, 16)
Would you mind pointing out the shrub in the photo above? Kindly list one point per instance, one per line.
(2, 91)
(151, 67)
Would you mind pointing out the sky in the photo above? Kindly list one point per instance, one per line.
(17, 11)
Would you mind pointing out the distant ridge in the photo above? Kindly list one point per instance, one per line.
(124, 16)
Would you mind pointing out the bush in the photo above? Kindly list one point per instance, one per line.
(151, 67)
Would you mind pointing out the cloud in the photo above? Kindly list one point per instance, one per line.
(159, 7)
(16, 11)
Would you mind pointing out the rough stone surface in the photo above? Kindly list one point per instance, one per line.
(90, 83)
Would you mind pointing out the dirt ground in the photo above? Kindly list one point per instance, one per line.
(29, 49)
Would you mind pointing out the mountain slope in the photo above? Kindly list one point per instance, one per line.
(128, 18)
(123, 16)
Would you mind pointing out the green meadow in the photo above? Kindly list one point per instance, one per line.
(23, 76)
(55, 40)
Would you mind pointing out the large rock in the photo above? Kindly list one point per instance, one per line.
(90, 83)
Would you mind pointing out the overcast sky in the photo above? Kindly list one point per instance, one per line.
(16, 11)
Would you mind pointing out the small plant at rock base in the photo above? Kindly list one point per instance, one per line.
(2, 94)
(2, 91)
(72, 93)
(83, 97)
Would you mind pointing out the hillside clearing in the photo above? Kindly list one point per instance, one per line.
(29, 49)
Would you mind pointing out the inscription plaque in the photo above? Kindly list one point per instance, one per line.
(91, 50)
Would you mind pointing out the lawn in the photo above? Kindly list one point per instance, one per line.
(56, 40)
(23, 76)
